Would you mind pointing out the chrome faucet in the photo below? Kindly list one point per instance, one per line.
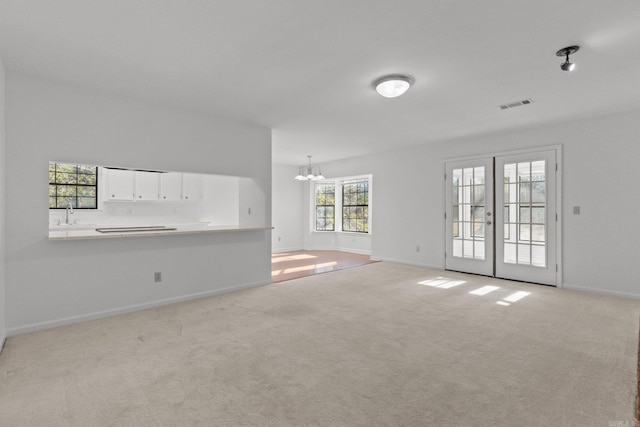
(69, 212)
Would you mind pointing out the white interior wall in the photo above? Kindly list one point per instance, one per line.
(3, 332)
(288, 213)
(221, 201)
(599, 170)
(49, 283)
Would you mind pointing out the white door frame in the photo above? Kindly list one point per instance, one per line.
(559, 210)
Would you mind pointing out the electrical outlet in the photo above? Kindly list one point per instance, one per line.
(576, 210)
(249, 211)
(157, 277)
(417, 248)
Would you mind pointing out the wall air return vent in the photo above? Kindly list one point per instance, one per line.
(515, 104)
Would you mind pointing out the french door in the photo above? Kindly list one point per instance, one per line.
(501, 216)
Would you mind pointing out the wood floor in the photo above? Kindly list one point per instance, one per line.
(296, 264)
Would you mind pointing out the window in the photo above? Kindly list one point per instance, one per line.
(73, 185)
(355, 206)
(325, 206)
(350, 196)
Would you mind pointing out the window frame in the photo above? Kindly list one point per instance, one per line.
(325, 205)
(57, 183)
(338, 182)
(355, 184)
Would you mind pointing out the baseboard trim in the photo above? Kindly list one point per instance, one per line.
(334, 248)
(282, 250)
(600, 291)
(402, 261)
(138, 307)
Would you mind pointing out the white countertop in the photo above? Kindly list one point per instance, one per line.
(84, 231)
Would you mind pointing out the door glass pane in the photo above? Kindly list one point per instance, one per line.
(457, 248)
(538, 254)
(510, 253)
(525, 213)
(524, 254)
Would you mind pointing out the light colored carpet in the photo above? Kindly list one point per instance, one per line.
(367, 346)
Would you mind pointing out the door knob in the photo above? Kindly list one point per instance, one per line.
(488, 213)
(488, 222)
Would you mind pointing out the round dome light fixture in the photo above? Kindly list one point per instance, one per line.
(393, 85)
(566, 51)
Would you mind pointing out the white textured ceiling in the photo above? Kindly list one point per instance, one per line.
(305, 67)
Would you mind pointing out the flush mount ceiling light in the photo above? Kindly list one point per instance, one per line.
(392, 85)
(566, 51)
(309, 173)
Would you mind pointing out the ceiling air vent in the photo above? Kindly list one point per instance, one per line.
(515, 104)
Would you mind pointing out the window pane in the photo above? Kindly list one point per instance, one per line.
(86, 169)
(66, 178)
(65, 167)
(525, 193)
(538, 256)
(524, 254)
(87, 179)
(478, 195)
(64, 202)
(86, 191)
(66, 190)
(537, 233)
(537, 192)
(86, 202)
(537, 215)
(478, 229)
(478, 214)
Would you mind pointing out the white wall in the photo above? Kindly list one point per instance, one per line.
(57, 282)
(599, 172)
(3, 331)
(288, 213)
(221, 202)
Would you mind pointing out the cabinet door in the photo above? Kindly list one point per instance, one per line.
(192, 186)
(119, 184)
(171, 186)
(147, 185)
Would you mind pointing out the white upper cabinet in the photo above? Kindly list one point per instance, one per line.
(119, 184)
(170, 186)
(192, 187)
(147, 185)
